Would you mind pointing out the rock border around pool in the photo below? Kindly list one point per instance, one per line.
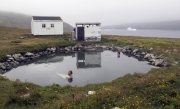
(14, 60)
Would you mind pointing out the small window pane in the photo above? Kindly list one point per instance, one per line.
(52, 25)
(43, 25)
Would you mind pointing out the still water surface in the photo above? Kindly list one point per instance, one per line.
(87, 67)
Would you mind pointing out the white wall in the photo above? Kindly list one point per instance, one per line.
(32, 30)
(92, 31)
(38, 30)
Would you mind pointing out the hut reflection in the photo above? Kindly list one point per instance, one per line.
(88, 60)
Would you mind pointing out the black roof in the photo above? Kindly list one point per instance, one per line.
(46, 18)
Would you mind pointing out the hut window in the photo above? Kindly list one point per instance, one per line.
(43, 25)
(52, 25)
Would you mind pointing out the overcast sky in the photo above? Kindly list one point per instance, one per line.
(108, 12)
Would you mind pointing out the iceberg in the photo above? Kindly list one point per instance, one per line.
(131, 29)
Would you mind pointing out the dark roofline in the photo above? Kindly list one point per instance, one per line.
(46, 18)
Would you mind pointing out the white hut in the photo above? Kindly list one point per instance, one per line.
(46, 25)
(88, 31)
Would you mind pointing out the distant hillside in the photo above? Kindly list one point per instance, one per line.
(8, 19)
(164, 25)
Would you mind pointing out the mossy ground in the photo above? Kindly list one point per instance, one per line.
(157, 89)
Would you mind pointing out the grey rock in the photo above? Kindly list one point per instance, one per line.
(22, 58)
(119, 48)
(138, 56)
(158, 62)
(104, 47)
(48, 49)
(16, 56)
(53, 49)
(8, 56)
(67, 49)
(135, 50)
(3, 67)
(8, 60)
(151, 48)
(143, 53)
(148, 56)
(158, 57)
(152, 60)
(28, 54)
(12, 59)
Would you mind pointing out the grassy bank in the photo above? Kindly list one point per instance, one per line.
(14, 40)
(168, 47)
(157, 89)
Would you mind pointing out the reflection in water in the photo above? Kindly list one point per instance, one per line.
(54, 58)
(50, 60)
(88, 59)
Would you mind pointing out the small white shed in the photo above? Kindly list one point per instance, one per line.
(46, 25)
(88, 31)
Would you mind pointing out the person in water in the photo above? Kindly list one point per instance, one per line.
(70, 77)
(118, 54)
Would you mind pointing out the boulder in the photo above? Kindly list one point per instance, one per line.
(159, 62)
(1, 65)
(16, 56)
(104, 47)
(21, 58)
(119, 48)
(137, 56)
(35, 56)
(8, 60)
(48, 49)
(135, 50)
(8, 56)
(151, 48)
(12, 59)
(152, 60)
(28, 54)
(53, 49)
(75, 47)
(148, 56)
(67, 49)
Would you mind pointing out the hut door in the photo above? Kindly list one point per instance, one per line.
(80, 34)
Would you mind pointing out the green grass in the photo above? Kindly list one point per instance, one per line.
(168, 47)
(157, 89)
(14, 40)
